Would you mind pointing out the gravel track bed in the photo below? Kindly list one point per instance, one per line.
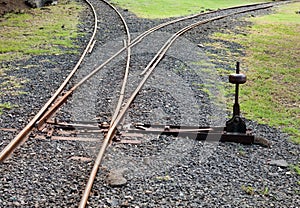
(47, 173)
(161, 171)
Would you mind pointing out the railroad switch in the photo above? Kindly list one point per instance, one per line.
(234, 131)
(236, 124)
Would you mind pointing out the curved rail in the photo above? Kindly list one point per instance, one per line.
(132, 44)
(126, 73)
(23, 134)
(49, 108)
(148, 71)
(119, 114)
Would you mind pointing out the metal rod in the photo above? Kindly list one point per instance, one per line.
(236, 106)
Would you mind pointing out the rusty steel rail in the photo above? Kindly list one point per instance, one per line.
(54, 102)
(128, 47)
(159, 56)
(148, 71)
(26, 130)
(126, 43)
(47, 110)
(62, 100)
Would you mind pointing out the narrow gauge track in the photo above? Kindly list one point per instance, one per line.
(49, 108)
(42, 117)
(147, 72)
(54, 103)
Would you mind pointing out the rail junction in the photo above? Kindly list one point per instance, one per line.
(45, 124)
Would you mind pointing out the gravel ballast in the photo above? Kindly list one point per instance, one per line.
(162, 171)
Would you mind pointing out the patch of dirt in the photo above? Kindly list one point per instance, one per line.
(15, 6)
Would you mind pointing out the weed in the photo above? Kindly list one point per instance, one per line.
(248, 190)
(50, 30)
(265, 191)
(7, 106)
(163, 178)
(296, 169)
(11, 86)
(241, 151)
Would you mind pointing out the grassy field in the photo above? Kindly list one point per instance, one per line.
(272, 94)
(38, 31)
(172, 8)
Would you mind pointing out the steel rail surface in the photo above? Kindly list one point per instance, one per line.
(85, 196)
(120, 116)
(23, 134)
(122, 92)
(64, 98)
(45, 112)
(133, 43)
(48, 110)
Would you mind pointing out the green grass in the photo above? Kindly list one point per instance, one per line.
(39, 31)
(265, 191)
(35, 32)
(296, 169)
(174, 8)
(7, 106)
(11, 85)
(272, 94)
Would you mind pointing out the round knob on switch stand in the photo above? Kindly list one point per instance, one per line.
(237, 78)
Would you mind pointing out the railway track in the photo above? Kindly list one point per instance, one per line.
(45, 117)
(42, 116)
